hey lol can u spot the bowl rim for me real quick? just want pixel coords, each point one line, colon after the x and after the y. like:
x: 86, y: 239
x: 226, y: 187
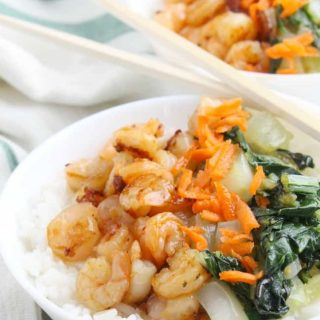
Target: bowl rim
x: 265, y: 75
x: 22, y: 278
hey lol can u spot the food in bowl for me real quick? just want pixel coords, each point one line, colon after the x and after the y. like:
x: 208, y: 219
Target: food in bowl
x: 187, y: 227
x: 274, y: 36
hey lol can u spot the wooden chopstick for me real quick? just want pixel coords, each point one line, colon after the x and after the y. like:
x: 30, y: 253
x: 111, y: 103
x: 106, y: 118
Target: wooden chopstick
x: 248, y: 88
x: 141, y: 64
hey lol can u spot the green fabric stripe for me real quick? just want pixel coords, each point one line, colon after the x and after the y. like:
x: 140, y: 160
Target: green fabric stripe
x: 11, y: 157
x: 101, y: 29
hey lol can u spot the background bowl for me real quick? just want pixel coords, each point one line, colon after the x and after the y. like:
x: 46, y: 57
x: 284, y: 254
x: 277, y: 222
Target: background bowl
x: 301, y: 85
x: 85, y: 139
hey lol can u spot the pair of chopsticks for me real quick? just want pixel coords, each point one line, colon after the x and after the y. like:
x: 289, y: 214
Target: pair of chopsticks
x: 250, y: 89
x: 141, y: 64
x: 257, y: 94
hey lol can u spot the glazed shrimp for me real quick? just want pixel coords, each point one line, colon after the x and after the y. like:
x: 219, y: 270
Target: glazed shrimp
x: 73, y: 234
x: 184, y: 276
x: 142, y: 272
x: 139, y: 140
x: 180, y: 143
x: 163, y: 236
x: 246, y: 54
x: 91, y: 173
x: 141, y: 167
x: 165, y: 158
x: 229, y: 28
x: 102, y: 284
x: 144, y: 193
x: 119, y: 239
x: 114, y: 184
x: 182, y: 308
x: 111, y: 215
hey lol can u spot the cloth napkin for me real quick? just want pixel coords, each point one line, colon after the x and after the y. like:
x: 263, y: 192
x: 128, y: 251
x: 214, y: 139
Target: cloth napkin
x: 45, y: 87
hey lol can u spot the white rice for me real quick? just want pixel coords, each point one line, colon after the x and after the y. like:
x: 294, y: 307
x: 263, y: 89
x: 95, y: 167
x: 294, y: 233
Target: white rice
x: 54, y: 279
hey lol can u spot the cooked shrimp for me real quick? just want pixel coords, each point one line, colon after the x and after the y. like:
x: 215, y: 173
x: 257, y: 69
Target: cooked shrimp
x: 173, y: 17
x: 120, y: 160
x: 163, y: 236
x: 112, y: 215
x: 144, y: 193
x: 246, y: 54
x: 101, y: 284
x: 182, y: 308
x: 180, y: 143
x: 92, y: 173
x: 119, y: 239
x: 185, y: 275
x: 139, y: 140
x: 73, y: 233
x: 142, y: 272
x: 229, y: 28
x: 216, y: 48
x: 142, y: 167
x: 139, y: 232
x: 201, y: 11
x: 165, y: 158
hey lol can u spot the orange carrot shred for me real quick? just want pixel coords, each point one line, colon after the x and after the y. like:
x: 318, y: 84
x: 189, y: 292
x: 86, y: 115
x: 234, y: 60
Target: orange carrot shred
x: 257, y: 180
x: 226, y: 202
x: 262, y: 202
x: 210, y: 216
x: 290, y: 6
x: 249, y: 263
x: 210, y: 204
x: 245, y: 216
x: 200, y: 241
x: 227, y: 108
x: 238, y: 276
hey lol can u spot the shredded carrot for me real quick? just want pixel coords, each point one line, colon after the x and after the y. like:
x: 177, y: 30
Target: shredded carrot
x: 183, y: 161
x: 226, y: 202
x: 242, y: 249
x: 202, y: 179
x: 257, y: 180
x: 249, y: 263
x: 238, y: 276
x: 210, y: 216
x: 262, y: 202
x: 227, y: 108
x: 210, y: 204
x: 224, y: 164
x: 200, y: 241
x: 245, y: 216
x: 259, y: 275
x: 185, y: 180
x: 290, y: 6
x: 202, y: 154
x: 228, y: 233
x: 240, y: 238
x: 291, y: 48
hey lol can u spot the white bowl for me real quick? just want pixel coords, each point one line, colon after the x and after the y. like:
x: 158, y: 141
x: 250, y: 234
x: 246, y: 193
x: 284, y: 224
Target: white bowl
x: 85, y: 139
x: 301, y: 85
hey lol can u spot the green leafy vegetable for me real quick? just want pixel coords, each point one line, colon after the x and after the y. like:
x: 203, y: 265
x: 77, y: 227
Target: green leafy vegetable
x: 216, y: 262
x: 300, y: 160
x: 270, y: 164
x: 271, y: 296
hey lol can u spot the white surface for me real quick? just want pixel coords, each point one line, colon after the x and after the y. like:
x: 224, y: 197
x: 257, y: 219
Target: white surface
x: 84, y: 139
x: 60, y: 11
x: 302, y: 86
